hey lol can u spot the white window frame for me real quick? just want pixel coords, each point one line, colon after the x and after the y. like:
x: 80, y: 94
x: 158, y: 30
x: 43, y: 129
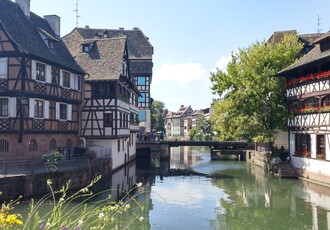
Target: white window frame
x: 4, y: 116
x: 3, y: 68
x: 45, y: 111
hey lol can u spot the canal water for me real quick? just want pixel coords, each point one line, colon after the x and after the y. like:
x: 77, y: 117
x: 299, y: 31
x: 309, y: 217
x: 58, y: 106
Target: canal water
x: 192, y: 192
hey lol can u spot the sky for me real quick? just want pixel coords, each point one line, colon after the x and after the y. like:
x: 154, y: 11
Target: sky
x: 191, y: 38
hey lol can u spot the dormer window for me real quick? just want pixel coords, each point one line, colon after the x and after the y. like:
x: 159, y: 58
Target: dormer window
x: 85, y: 48
x: 325, y: 46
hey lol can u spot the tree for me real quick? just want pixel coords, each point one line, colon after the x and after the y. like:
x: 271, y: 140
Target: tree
x: 202, y: 131
x: 157, y: 118
x: 253, y: 98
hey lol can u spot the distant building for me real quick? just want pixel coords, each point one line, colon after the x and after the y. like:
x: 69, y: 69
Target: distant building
x: 110, y: 108
x: 140, y: 53
x: 187, y: 123
x: 40, y: 84
x: 175, y: 121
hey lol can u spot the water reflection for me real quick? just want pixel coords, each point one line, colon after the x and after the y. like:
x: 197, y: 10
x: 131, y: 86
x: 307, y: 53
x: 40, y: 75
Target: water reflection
x: 192, y: 192
x: 233, y: 195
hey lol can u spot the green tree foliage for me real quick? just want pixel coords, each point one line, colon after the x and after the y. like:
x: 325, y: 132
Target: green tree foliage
x: 157, y: 116
x: 202, y: 131
x: 253, y: 99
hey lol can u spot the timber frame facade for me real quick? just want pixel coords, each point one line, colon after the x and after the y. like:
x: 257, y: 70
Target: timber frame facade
x: 40, y: 84
x: 308, y: 97
x: 110, y: 108
x: 139, y: 51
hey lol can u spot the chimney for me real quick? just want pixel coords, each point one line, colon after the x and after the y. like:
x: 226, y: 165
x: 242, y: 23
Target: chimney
x: 55, y: 23
x: 25, y: 6
x: 105, y: 33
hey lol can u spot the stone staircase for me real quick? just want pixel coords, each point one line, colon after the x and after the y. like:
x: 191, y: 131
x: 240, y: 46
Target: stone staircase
x: 285, y: 170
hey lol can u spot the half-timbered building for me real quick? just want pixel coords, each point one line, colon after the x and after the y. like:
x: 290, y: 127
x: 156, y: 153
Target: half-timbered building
x: 40, y: 84
x: 140, y: 53
x: 110, y: 108
x: 308, y: 96
x: 175, y: 122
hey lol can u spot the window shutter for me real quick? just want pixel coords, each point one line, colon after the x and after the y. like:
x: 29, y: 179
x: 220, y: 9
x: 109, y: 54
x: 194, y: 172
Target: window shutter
x: 57, y: 111
x: 46, y: 109
x: 33, y: 70
x: 72, y: 76
x: 12, y: 107
x: 69, y: 118
x: 61, y: 77
x: 48, y: 74
x: 31, y: 107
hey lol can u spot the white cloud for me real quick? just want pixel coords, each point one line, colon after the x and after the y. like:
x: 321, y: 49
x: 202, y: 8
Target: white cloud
x: 181, y: 73
x: 223, y: 62
x: 182, y: 84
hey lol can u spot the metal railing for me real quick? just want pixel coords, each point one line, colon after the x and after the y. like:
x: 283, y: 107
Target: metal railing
x: 31, y: 166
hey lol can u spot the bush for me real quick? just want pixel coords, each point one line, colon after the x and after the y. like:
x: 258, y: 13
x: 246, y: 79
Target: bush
x: 52, y: 160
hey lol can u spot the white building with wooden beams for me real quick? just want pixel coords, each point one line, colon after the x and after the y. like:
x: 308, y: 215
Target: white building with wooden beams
x: 40, y: 84
x: 308, y: 96
x: 110, y: 110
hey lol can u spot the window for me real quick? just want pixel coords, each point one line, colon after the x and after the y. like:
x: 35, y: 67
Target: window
x: 3, y: 68
x: 4, y: 146
x: 63, y: 111
x: 85, y: 48
x: 118, y: 143
x: 294, y: 106
x: 311, y: 102
x: 320, y: 143
x: 303, y: 145
x: 40, y: 72
x: 124, y: 69
x: 52, y: 144
x: 142, y: 98
x: 141, y: 80
x: 326, y: 101
x: 143, y: 115
x: 3, y: 107
x: 38, y: 108
x: 77, y: 82
x: 33, y: 145
x: 66, y: 79
x: 108, y: 119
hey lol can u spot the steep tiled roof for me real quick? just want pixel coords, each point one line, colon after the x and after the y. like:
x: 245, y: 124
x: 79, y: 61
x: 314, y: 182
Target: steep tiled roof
x: 312, y: 56
x: 277, y: 36
x: 104, y: 60
x: 24, y: 32
x: 181, y: 111
x: 140, y: 67
x: 138, y: 44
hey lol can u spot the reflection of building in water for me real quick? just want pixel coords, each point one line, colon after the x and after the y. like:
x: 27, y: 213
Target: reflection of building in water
x: 117, y: 183
x: 307, y: 205
x: 181, y: 157
x: 319, y: 198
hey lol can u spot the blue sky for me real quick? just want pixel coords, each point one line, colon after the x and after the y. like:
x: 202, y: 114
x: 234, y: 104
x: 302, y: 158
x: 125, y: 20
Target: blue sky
x: 191, y: 37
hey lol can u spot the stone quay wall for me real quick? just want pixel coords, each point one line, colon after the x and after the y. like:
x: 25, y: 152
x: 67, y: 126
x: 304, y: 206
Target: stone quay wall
x: 261, y: 159
x: 36, y: 185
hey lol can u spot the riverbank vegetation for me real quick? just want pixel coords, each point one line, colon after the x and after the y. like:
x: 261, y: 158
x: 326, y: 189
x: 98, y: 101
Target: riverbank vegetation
x: 252, y: 104
x: 80, y: 210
